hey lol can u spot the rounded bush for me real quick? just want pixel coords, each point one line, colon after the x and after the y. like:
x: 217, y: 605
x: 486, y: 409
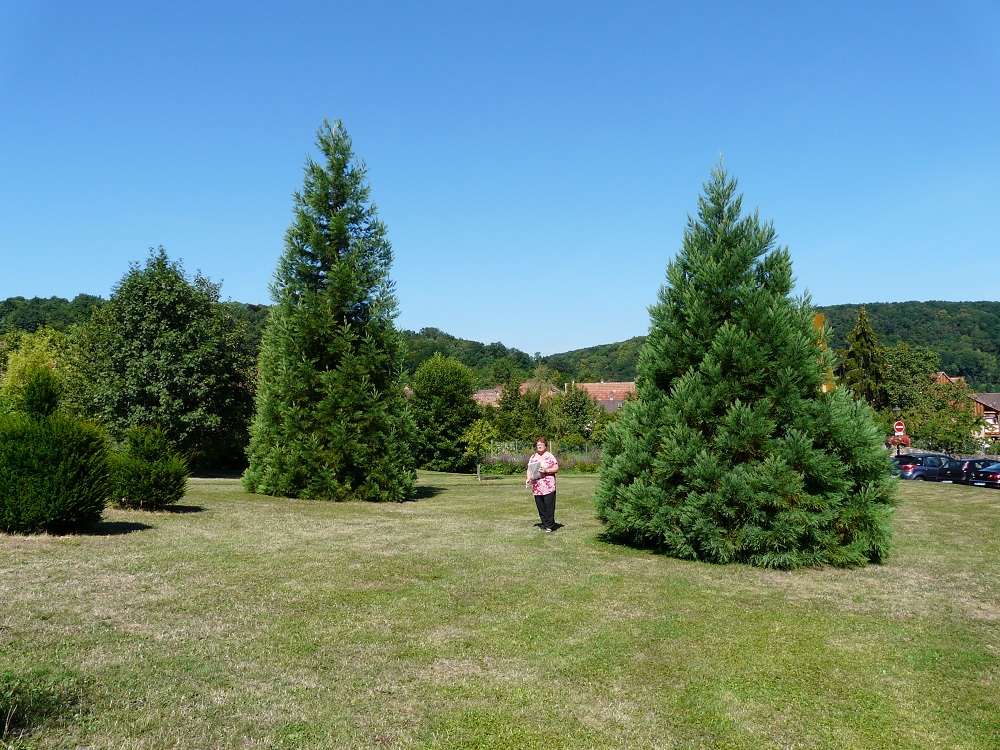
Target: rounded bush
x: 53, y: 474
x: 146, y: 472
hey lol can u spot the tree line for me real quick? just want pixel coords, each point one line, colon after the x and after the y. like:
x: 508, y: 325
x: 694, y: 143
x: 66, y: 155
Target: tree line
x: 964, y: 336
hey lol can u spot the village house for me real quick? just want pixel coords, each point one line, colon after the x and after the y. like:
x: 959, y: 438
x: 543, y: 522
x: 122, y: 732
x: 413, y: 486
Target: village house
x: 610, y: 396
x: 987, y: 406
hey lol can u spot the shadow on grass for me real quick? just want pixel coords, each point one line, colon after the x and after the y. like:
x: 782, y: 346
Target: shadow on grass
x: 179, y: 509
x: 37, y: 700
x: 227, y: 474
x: 114, y: 528
x: 425, y: 492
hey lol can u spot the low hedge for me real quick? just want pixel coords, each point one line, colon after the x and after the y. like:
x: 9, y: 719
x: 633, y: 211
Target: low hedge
x: 53, y: 474
x: 146, y: 472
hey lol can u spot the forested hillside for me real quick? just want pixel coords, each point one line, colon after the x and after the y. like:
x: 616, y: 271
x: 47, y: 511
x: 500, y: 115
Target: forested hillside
x: 491, y: 364
x: 966, y: 335
x: 18, y: 313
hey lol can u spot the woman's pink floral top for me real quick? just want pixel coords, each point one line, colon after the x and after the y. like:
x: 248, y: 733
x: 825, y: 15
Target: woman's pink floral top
x: 546, y: 484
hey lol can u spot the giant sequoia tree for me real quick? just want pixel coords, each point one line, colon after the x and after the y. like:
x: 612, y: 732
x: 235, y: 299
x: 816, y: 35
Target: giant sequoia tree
x: 331, y: 421
x: 732, y: 451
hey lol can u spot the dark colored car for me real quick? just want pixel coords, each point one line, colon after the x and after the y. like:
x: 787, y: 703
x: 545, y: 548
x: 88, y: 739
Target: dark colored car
x: 959, y: 470
x: 988, y: 476
x: 920, y: 466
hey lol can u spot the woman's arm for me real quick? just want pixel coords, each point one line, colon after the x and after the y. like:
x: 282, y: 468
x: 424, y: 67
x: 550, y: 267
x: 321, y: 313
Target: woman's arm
x: 550, y: 468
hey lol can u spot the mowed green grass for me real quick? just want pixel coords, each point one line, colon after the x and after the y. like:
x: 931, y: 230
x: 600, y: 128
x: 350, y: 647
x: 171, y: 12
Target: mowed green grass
x: 242, y: 621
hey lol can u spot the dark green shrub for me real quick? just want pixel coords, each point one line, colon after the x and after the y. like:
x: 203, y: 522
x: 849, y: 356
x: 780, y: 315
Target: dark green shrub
x: 41, y: 393
x: 53, y: 474
x: 146, y: 472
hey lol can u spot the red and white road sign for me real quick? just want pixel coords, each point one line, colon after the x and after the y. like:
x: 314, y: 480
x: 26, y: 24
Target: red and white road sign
x: 899, y: 427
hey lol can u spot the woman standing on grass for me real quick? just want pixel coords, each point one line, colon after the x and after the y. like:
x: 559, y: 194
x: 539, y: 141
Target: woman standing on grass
x: 541, y: 477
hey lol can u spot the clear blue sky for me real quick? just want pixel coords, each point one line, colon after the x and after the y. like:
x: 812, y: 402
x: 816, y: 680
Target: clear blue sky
x: 535, y: 162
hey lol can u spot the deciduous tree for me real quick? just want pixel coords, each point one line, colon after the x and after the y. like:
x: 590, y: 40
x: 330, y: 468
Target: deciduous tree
x: 443, y: 410
x: 163, y: 353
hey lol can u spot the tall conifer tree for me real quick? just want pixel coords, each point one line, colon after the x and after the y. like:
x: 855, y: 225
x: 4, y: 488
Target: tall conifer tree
x: 732, y: 452
x: 864, y: 365
x: 331, y: 419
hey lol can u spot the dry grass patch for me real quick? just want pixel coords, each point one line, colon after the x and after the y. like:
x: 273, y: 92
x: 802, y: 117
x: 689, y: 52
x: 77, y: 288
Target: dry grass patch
x: 450, y: 622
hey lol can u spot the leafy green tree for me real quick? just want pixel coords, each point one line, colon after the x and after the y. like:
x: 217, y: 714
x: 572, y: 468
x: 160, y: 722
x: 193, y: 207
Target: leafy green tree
x: 943, y: 419
x: 38, y: 358
x: 478, y: 440
x: 573, y: 412
x: 162, y: 352
x: 732, y: 452
x: 908, y: 373
x: 331, y: 421
x: 864, y: 365
x: 443, y: 410
x: 519, y: 415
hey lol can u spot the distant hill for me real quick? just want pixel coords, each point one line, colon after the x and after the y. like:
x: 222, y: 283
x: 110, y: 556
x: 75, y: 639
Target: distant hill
x: 56, y: 312
x: 966, y: 335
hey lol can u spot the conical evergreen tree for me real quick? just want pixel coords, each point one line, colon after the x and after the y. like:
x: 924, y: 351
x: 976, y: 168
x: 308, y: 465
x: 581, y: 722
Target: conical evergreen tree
x: 732, y: 452
x: 864, y: 365
x: 331, y: 419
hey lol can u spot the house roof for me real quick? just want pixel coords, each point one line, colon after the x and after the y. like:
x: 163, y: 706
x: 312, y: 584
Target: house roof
x: 609, y: 395
x: 608, y: 391
x: 942, y: 377
x: 487, y: 396
x: 989, y: 400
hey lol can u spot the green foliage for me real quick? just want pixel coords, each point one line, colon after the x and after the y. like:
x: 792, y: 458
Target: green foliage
x: 25, y: 354
x: 503, y: 466
x: 478, y: 438
x: 732, y: 453
x: 609, y: 362
x: 163, y: 352
x: 519, y: 416
x: 942, y: 419
x: 863, y: 367
x: 443, y: 411
x: 909, y: 371
x: 572, y: 412
x: 964, y: 335
x: 938, y: 416
x: 250, y: 322
x: 53, y: 474
x: 490, y: 364
x: 331, y: 419
x: 41, y: 394
x: 18, y: 313
x: 145, y: 471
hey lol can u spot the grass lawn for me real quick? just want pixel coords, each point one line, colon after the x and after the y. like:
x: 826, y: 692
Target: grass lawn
x: 240, y: 621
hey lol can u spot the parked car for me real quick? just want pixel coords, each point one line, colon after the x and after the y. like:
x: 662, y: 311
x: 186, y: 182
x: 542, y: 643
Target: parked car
x: 920, y: 466
x: 988, y: 476
x: 959, y: 470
